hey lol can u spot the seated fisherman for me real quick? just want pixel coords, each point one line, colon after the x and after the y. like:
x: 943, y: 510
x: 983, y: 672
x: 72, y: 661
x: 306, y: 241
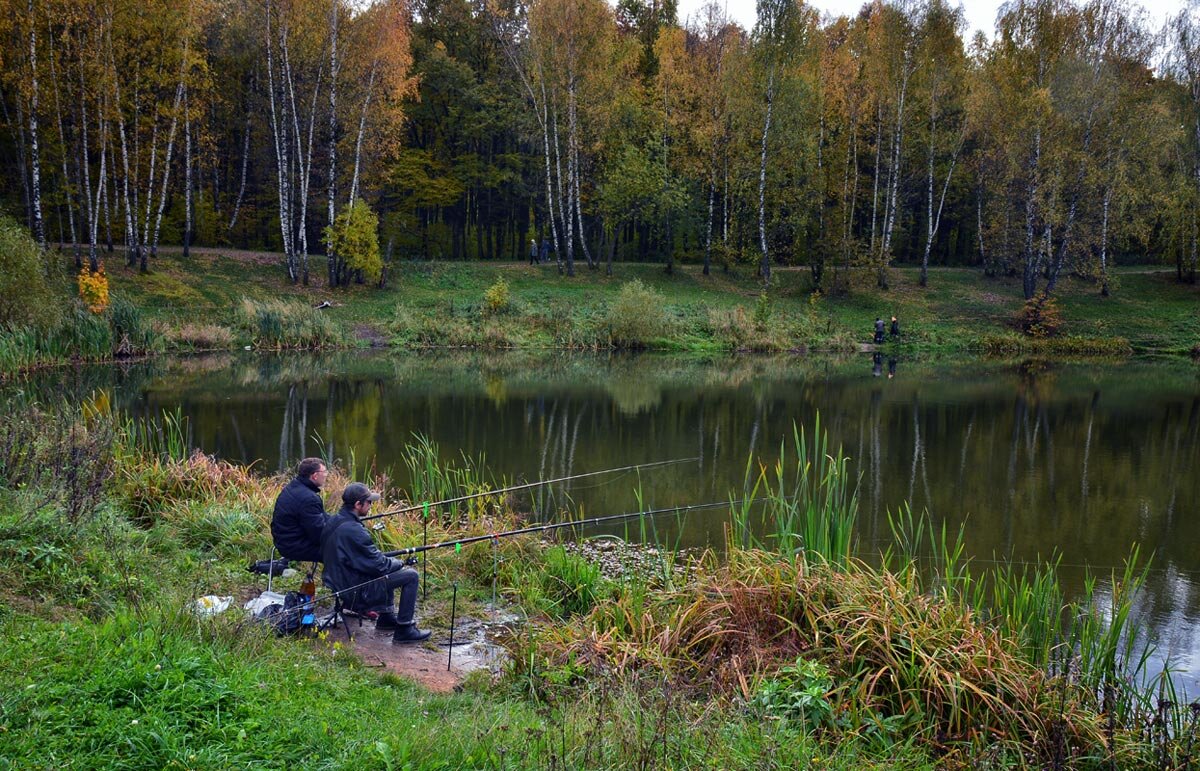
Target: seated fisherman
x: 300, y: 513
x: 364, y: 577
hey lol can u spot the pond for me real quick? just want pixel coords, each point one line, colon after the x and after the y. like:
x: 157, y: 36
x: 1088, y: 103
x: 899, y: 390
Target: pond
x: 1033, y: 460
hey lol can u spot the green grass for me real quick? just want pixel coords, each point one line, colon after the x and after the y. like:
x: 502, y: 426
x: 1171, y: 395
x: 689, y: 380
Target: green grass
x: 199, y: 303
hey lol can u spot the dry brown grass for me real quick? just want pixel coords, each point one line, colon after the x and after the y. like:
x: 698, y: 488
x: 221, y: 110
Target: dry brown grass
x: 892, y: 649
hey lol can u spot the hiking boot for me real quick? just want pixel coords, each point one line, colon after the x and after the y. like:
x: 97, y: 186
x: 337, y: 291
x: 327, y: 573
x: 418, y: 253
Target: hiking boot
x: 408, y: 633
x: 386, y: 622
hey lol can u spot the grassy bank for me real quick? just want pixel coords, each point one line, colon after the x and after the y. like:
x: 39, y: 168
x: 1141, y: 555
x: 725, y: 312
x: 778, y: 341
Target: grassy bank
x: 429, y: 304
x: 782, y: 652
x: 217, y: 300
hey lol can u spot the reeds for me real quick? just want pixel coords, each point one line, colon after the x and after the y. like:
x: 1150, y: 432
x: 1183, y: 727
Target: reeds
x: 80, y: 336
x: 809, y: 505
x: 432, y: 479
x: 280, y: 324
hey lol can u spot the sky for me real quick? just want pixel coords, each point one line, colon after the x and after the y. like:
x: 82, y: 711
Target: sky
x: 981, y: 14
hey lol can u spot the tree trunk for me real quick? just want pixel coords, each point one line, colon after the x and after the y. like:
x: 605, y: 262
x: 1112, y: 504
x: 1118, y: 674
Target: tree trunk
x: 237, y: 204
x: 1032, y: 261
x: 563, y: 207
x: 708, y: 226
x: 892, y: 203
x: 187, y: 177
x: 331, y: 192
x: 875, y: 175
x: 166, y: 177
x: 764, y: 267
x: 578, y: 198
x: 1104, y: 243
x: 282, y: 164
x: 68, y: 193
x: 35, y: 157
x: 85, y: 165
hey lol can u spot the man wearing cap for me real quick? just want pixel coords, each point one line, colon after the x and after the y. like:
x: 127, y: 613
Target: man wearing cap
x: 364, y: 577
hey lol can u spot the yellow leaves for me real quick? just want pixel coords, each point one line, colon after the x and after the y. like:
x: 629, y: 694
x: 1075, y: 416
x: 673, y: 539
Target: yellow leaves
x: 93, y: 288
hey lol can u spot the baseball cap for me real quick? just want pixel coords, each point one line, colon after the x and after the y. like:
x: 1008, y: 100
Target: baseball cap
x: 357, y: 491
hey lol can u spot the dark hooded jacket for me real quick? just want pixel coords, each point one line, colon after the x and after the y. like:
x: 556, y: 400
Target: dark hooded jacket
x: 298, y: 520
x: 352, y: 560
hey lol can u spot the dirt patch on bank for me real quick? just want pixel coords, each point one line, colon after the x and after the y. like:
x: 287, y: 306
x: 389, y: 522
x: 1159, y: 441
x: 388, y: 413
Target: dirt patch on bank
x: 371, y: 335
x: 434, y: 663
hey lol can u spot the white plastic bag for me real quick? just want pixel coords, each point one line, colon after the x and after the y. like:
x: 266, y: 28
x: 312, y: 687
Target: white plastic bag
x: 211, y: 605
x: 263, y: 600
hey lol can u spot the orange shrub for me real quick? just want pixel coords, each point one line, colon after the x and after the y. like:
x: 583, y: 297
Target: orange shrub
x: 93, y: 288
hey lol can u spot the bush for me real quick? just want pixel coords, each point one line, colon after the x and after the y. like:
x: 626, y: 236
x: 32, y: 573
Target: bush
x: 637, y: 316
x: 798, y: 692
x: 354, y: 236
x: 68, y: 459
x: 1040, y: 317
x: 762, y: 311
x: 497, y: 298
x: 93, y: 288
x: 25, y: 281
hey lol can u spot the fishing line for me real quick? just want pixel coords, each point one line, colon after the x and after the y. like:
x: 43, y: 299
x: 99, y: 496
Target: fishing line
x: 458, y: 543
x: 524, y: 486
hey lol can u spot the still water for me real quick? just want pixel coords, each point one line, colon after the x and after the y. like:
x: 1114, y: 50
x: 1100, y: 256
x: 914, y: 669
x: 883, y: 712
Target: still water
x: 1080, y: 461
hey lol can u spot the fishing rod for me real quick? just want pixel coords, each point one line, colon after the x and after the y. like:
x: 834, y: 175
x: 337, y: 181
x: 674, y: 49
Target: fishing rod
x: 514, y: 488
x: 460, y: 542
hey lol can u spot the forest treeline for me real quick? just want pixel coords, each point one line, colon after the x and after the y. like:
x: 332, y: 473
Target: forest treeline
x: 471, y: 127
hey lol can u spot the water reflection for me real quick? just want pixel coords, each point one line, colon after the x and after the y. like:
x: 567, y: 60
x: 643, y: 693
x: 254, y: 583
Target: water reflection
x: 1075, y: 460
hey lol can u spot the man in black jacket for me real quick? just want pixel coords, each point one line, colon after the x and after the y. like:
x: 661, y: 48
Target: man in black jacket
x: 300, y: 513
x: 364, y: 577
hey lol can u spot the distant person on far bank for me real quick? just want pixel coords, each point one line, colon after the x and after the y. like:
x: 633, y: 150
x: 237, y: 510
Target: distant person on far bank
x: 544, y: 254
x: 533, y: 251
x: 895, y: 328
x: 878, y: 330
x: 299, y: 515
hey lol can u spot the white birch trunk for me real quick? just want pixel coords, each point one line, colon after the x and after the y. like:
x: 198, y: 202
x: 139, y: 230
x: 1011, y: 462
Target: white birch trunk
x: 281, y: 158
x: 563, y: 211
x: 362, y: 129
x: 1104, y: 242
x: 875, y: 174
x: 237, y: 204
x: 166, y: 177
x: 331, y: 193
x: 35, y: 158
x: 765, y: 265
x: 577, y: 197
x: 66, y: 176
x: 85, y: 165
x: 187, y: 184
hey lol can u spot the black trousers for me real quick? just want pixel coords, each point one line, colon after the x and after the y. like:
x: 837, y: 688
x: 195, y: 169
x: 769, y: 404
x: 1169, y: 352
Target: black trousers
x: 406, y: 580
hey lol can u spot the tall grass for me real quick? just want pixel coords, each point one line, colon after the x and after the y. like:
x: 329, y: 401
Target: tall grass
x: 431, y: 479
x: 282, y: 324
x: 808, y: 505
x: 79, y: 335
x: 1090, y: 644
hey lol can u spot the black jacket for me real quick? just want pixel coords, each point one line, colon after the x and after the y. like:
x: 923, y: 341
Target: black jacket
x: 298, y: 520
x: 352, y: 560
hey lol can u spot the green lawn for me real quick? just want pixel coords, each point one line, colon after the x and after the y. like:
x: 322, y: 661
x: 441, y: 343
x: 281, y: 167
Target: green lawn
x: 443, y: 303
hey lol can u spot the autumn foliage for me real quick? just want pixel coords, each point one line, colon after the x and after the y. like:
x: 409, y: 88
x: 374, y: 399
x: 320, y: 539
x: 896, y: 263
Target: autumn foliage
x: 93, y: 288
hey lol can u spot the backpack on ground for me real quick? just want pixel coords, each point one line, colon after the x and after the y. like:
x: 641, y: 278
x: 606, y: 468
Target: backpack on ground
x: 294, y: 616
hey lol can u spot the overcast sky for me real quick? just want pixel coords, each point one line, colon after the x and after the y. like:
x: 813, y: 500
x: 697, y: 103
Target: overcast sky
x: 981, y: 14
